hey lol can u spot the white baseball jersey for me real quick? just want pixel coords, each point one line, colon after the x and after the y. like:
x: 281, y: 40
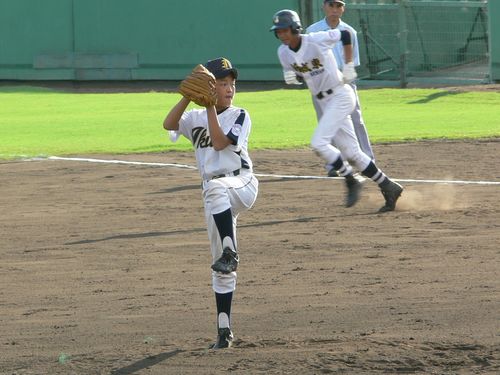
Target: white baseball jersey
x: 235, y: 123
x: 314, y: 61
x: 237, y: 193
x: 338, y: 48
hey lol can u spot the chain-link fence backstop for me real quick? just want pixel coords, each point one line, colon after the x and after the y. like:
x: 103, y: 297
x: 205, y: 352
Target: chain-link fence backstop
x: 420, y: 41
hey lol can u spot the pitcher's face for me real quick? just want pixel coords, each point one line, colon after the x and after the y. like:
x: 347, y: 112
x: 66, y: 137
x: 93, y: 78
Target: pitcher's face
x: 226, y: 88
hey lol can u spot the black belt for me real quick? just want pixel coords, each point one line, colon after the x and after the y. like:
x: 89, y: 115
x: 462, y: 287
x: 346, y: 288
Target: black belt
x: 230, y: 174
x: 321, y: 95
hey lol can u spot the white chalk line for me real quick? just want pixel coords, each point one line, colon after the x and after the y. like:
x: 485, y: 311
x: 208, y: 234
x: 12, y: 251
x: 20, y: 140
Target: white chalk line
x: 185, y: 166
x: 121, y: 162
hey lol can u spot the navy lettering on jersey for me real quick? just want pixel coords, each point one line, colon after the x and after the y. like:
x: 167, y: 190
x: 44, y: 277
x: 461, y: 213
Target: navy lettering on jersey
x: 200, y: 138
x: 317, y: 72
x: 235, y: 131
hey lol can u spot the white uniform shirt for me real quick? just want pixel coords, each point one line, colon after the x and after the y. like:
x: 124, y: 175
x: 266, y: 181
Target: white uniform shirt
x: 338, y: 48
x: 235, y: 123
x: 314, y: 61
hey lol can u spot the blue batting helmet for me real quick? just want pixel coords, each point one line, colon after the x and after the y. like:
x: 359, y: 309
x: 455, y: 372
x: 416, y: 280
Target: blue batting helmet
x: 286, y: 18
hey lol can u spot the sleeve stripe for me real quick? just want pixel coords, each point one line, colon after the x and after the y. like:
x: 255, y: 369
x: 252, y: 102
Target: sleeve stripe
x: 241, y: 117
x: 239, y: 121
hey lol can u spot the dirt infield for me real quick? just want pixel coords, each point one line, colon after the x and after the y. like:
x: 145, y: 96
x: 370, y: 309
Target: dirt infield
x: 105, y: 268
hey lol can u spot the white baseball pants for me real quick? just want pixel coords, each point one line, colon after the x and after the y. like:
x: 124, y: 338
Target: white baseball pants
x: 335, y: 126
x: 357, y: 121
x: 237, y: 193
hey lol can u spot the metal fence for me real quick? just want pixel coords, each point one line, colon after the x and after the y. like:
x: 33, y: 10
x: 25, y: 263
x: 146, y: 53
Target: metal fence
x: 422, y: 41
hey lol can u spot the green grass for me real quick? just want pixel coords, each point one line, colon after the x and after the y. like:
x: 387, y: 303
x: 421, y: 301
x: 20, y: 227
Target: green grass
x: 401, y: 115
x: 39, y: 122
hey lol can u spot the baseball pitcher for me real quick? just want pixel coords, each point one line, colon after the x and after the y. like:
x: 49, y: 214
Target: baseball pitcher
x: 219, y: 134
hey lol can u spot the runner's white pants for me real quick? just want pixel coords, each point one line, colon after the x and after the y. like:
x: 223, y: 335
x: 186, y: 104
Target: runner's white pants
x: 335, y: 126
x: 357, y: 121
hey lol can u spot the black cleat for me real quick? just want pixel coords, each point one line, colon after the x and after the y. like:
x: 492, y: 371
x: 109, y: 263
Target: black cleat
x: 228, y: 262
x: 391, y: 191
x: 333, y: 173
x: 224, y: 339
x: 353, y: 190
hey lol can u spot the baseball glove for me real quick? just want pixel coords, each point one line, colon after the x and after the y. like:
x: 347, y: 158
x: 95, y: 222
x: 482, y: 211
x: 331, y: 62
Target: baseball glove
x: 199, y: 87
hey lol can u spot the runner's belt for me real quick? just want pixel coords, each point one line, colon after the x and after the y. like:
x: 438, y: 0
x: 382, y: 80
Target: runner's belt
x: 322, y: 94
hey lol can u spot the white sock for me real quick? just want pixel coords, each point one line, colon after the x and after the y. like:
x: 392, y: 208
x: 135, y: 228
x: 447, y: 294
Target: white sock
x: 228, y: 242
x: 223, y: 320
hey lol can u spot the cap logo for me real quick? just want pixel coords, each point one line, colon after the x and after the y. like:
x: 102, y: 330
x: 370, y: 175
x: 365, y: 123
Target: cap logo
x: 276, y: 19
x: 226, y: 64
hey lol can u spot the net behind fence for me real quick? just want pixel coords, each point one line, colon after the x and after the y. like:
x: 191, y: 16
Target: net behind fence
x: 435, y: 41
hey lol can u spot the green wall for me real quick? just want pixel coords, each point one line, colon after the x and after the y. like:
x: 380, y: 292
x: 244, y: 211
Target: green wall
x: 30, y: 27
x: 494, y: 12
x: 164, y: 39
x: 135, y: 39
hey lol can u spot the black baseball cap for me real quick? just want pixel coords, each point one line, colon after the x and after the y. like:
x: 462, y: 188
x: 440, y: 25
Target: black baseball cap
x: 335, y: 1
x: 221, y: 68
